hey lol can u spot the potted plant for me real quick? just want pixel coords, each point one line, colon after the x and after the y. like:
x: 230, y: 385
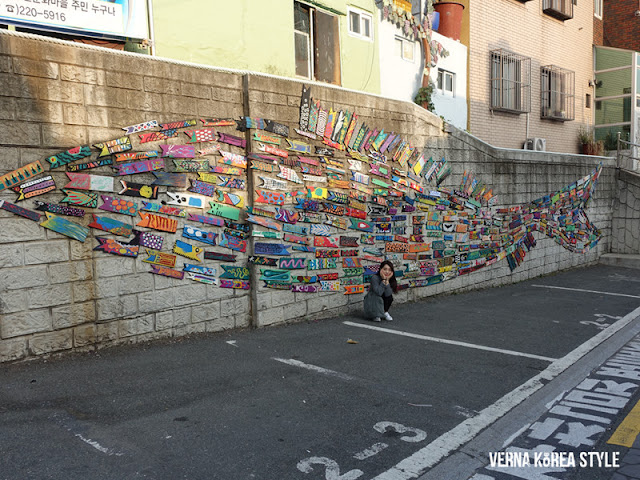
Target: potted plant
x: 424, y: 96
x: 588, y: 143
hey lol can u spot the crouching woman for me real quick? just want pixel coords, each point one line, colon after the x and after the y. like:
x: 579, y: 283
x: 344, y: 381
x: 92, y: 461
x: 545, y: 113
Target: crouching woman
x: 380, y: 295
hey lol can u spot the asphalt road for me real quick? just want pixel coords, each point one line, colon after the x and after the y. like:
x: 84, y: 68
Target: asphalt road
x: 299, y: 401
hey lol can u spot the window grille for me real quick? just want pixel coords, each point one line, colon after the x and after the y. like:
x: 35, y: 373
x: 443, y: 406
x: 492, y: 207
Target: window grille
x: 557, y: 93
x: 510, y: 82
x: 560, y: 9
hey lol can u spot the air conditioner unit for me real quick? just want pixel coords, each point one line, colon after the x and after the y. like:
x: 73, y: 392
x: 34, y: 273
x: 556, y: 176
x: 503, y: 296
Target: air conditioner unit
x: 537, y: 144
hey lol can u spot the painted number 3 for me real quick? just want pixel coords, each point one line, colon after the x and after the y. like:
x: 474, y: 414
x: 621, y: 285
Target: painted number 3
x: 332, y: 469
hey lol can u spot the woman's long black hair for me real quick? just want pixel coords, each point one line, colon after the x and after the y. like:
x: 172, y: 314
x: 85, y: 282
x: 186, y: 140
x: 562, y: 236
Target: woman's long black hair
x: 392, y: 281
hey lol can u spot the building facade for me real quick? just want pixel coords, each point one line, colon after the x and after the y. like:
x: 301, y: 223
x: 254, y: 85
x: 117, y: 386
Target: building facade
x: 531, y: 72
x: 331, y: 41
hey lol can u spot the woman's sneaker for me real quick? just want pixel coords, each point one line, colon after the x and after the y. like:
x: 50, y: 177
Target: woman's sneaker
x: 387, y: 317
x: 377, y: 319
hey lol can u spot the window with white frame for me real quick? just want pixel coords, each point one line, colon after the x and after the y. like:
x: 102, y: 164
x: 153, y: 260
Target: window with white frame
x: 360, y: 24
x: 446, y: 82
x: 317, y: 44
x: 597, y: 8
x: 404, y: 48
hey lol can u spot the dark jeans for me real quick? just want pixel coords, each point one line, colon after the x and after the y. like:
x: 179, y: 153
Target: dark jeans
x: 388, y: 300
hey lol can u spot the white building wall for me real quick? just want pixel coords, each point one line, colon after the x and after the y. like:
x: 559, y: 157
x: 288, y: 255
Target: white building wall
x: 453, y: 107
x: 400, y: 79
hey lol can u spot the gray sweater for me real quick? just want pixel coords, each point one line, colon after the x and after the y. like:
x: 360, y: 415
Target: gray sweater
x: 380, y: 288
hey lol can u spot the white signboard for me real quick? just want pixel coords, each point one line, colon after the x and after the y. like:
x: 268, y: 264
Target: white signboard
x: 103, y: 18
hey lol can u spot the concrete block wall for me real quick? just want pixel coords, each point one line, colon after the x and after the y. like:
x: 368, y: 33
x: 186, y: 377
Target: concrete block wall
x: 625, y: 235
x: 58, y: 295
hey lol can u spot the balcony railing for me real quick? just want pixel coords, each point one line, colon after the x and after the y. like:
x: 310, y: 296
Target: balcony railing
x: 560, y: 9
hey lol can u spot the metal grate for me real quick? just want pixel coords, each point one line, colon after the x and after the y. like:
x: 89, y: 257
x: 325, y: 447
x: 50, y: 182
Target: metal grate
x: 557, y: 93
x: 510, y: 82
x: 560, y: 9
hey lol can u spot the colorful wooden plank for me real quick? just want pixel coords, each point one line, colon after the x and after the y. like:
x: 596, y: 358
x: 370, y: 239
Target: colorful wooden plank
x: 226, y: 170
x: 191, y: 165
x: 321, y: 264
x: 84, y: 199
x: 263, y: 234
x: 277, y: 128
x: 63, y: 158
x: 65, y: 227
x: 264, y: 222
x: 238, y: 273
x: 330, y: 286
x: 297, y: 146
x: 203, y: 236
x: 259, y: 260
x: 158, y: 136
x: 159, y: 258
x: 140, y: 167
x: 157, y: 222
x: 179, y: 124
x: 112, y: 226
x: 138, y: 190
x: 186, y: 200
x: 114, y: 247
x: 217, y: 122
x: 273, y: 184
x: 21, y: 174
x: 269, y: 197
x: 232, y: 140
x: 229, y: 198
x: 288, y: 237
x: 121, y: 144
x: 261, y: 248
x: 202, y: 188
x: 262, y: 137
x: 304, y: 288
x: 23, y: 212
x: 325, y: 242
x: 289, y: 174
x: 201, y: 269
x: 291, y: 263
x: 85, y: 181
x: 34, y: 188
x: 233, y: 243
x: 275, y: 275
x: 100, y: 162
x: 225, y: 211
x: 228, y: 182
x: 167, y: 272
x: 218, y: 222
x: 178, y: 151
x: 118, y: 205
x: 187, y: 250
x: 147, y: 239
x: 132, y: 156
x: 164, y: 209
x: 201, y: 135
x: 238, y: 284
x: 140, y: 127
x: 58, y: 209
x: 233, y: 159
x: 223, y: 257
x: 209, y: 149
x: 353, y: 289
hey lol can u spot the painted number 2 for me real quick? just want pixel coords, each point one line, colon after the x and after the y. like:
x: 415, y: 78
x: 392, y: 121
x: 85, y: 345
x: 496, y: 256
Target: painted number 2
x: 332, y: 470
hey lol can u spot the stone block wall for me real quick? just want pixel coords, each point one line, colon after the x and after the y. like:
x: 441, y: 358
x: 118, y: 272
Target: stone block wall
x: 625, y: 238
x: 58, y: 294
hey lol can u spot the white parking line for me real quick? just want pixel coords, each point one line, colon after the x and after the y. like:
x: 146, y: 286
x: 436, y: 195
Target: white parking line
x: 587, y: 291
x: 428, y: 456
x: 314, y: 368
x: 450, y: 342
